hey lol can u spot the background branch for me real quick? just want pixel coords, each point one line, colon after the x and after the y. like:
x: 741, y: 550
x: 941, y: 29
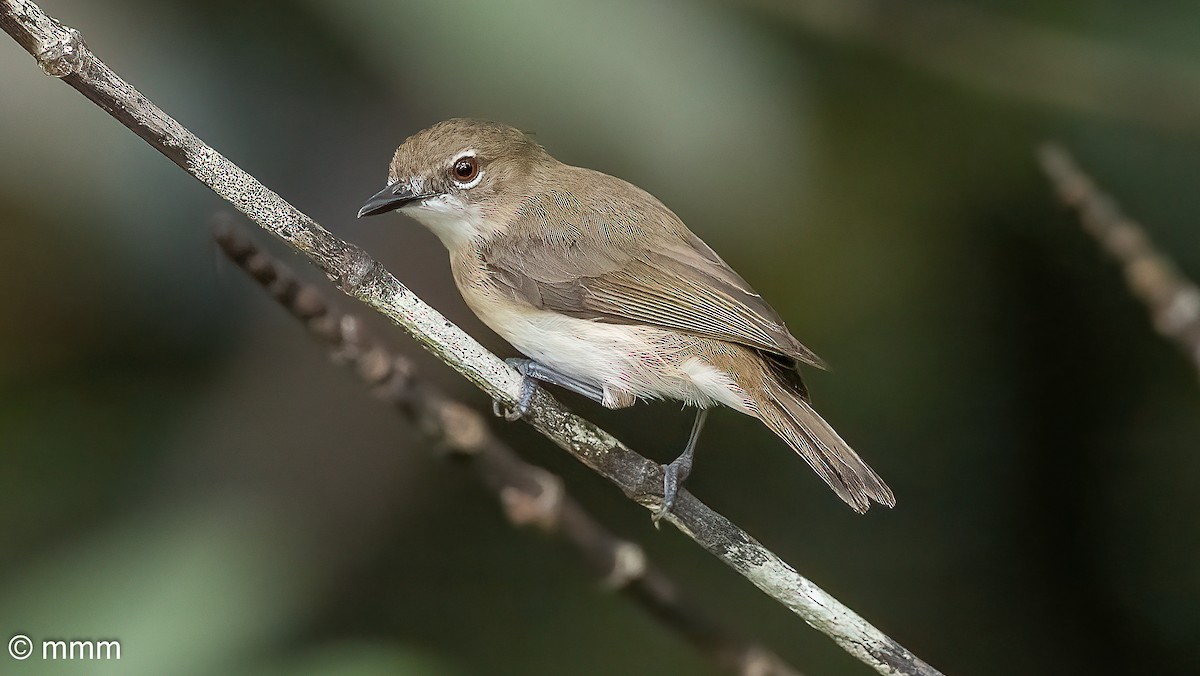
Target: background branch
x: 1172, y: 299
x: 531, y: 496
x: 985, y: 49
x: 61, y: 52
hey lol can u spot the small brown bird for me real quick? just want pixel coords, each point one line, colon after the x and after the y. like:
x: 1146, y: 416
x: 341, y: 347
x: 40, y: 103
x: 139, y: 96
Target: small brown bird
x: 608, y: 293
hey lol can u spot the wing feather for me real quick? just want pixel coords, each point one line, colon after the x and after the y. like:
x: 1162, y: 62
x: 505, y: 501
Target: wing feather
x: 598, y: 266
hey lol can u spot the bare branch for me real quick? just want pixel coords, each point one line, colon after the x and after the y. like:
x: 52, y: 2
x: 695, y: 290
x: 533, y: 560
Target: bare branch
x: 968, y: 44
x: 530, y: 495
x: 62, y: 53
x: 1172, y: 299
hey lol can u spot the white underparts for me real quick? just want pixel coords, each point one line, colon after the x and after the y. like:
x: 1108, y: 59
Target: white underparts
x: 641, y: 361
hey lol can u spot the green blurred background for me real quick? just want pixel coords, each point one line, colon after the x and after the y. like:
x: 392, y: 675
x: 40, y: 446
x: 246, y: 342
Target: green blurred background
x: 182, y: 468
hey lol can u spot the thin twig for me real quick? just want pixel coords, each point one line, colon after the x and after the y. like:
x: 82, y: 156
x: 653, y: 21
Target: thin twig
x: 986, y: 49
x: 1172, y: 299
x: 531, y: 496
x: 62, y: 53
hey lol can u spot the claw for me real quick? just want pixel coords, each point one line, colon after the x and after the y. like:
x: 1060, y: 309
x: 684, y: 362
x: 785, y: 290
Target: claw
x: 528, y: 387
x: 673, y: 474
x: 516, y: 413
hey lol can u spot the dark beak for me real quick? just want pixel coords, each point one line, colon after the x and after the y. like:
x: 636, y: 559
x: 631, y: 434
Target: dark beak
x: 391, y: 198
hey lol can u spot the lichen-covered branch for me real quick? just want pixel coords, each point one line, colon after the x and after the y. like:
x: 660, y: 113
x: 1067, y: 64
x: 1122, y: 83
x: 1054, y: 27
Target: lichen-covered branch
x: 61, y: 52
x: 530, y: 495
x: 1172, y: 299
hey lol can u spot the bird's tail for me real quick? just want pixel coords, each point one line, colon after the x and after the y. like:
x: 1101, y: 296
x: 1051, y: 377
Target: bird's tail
x: 785, y: 411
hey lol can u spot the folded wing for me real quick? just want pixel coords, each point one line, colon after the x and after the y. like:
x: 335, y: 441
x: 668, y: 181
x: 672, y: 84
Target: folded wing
x: 601, y: 266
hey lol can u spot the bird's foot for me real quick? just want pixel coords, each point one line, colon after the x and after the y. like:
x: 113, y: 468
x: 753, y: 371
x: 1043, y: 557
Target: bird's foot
x: 532, y: 372
x: 677, y: 471
x: 674, y: 474
x: 528, y: 387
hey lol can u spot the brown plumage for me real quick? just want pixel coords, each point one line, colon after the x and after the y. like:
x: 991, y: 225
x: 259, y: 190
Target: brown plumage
x: 598, y: 281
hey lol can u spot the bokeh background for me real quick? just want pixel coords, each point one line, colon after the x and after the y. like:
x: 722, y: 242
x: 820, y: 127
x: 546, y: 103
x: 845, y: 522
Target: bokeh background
x: 182, y: 468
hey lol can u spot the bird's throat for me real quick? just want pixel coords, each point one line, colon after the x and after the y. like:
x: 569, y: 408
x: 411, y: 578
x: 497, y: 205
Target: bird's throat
x: 455, y: 222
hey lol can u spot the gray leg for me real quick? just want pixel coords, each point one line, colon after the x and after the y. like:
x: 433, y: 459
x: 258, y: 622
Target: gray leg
x: 533, y: 372
x: 677, y: 472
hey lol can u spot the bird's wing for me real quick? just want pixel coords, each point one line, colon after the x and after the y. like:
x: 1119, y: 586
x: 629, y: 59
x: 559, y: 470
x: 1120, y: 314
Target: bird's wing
x: 595, y: 263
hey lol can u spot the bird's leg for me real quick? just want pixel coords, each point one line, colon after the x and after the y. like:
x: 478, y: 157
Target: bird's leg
x: 677, y: 472
x: 531, y: 372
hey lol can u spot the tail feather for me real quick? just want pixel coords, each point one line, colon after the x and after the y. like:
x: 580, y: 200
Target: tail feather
x: 789, y: 415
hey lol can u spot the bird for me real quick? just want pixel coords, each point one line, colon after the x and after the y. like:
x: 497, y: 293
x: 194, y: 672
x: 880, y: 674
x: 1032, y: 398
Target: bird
x: 607, y: 293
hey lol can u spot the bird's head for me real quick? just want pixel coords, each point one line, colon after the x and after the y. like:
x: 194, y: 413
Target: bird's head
x: 459, y: 178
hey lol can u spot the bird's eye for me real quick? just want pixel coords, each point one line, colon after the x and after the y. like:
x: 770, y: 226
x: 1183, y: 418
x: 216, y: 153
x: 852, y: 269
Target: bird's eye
x: 466, y: 169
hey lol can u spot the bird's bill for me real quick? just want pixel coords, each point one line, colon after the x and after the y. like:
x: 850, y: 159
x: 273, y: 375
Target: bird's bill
x: 391, y: 198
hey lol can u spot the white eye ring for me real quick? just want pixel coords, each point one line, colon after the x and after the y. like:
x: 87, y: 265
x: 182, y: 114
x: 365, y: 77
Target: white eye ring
x: 474, y: 174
